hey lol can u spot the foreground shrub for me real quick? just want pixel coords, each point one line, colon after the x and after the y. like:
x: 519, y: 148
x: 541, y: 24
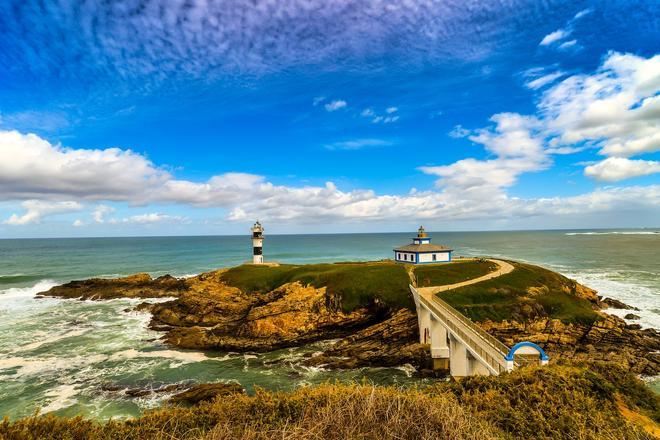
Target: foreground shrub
x: 560, y: 401
x: 325, y: 412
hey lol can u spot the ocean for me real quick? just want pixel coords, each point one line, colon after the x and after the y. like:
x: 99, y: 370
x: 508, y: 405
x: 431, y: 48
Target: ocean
x: 75, y: 357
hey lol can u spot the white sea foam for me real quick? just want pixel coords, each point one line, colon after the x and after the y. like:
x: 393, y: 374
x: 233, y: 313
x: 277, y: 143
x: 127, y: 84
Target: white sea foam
x: 408, y: 369
x: 62, y: 397
x: 27, y: 366
x: 616, y: 233
x: 633, y: 294
x: 53, y: 338
x: 22, y: 298
x: 181, y: 356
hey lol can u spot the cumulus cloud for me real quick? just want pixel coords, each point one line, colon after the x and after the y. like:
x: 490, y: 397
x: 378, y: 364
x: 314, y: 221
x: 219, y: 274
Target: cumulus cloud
x: 518, y: 148
x: 335, y: 105
x: 33, y: 168
x: 100, y: 212
x: 614, y: 169
x: 35, y: 210
x: 616, y: 109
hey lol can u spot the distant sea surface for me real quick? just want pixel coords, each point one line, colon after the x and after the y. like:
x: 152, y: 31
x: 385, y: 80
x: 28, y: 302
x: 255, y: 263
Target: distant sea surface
x: 78, y: 357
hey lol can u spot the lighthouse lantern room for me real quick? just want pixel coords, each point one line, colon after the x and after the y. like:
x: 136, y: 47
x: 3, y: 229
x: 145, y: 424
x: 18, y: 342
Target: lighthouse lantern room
x: 257, y: 243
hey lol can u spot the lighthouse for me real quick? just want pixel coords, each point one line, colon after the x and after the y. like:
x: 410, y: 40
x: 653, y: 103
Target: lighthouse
x: 257, y: 243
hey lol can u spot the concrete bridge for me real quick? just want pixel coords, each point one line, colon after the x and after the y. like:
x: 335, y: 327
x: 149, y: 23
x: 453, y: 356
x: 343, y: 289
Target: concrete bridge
x: 460, y: 345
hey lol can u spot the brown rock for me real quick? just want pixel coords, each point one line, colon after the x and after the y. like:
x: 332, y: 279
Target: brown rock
x: 135, y: 286
x: 205, y: 393
x: 392, y: 342
x: 616, y: 304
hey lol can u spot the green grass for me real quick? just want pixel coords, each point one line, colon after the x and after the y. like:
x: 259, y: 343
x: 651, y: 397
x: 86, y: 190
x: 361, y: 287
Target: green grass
x: 358, y: 284
x: 450, y: 273
x: 524, y: 294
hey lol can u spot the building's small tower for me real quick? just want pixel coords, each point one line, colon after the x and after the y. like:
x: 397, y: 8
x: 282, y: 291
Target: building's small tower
x: 257, y: 243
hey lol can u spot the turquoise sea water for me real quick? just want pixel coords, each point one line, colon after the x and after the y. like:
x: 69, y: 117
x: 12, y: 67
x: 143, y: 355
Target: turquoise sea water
x: 80, y: 357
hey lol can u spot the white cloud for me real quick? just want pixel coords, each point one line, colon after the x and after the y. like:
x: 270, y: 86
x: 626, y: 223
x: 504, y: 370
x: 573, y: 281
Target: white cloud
x: 100, y: 212
x: 613, y: 169
x: 387, y: 117
x: 335, y: 105
x: 318, y: 100
x: 571, y: 44
x: 78, y: 223
x: 616, y: 108
x: 35, y: 210
x: 555, y: 36
x: 358, y: 144
x: 31, y: 167
x: 153, y: 217
x: 459, y: 132
x: 543, y: 80
x: 582, y: 13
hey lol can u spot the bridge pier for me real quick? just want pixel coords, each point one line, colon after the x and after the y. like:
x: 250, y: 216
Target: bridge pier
x: 458, y: 358
x: 476, y: 368
x: 439, y: 345
x: 424, y: 317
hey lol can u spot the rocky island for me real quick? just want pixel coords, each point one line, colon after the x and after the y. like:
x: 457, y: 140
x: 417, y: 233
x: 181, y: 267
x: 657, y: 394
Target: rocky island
x: 590, y: 390
x: 369, y: 309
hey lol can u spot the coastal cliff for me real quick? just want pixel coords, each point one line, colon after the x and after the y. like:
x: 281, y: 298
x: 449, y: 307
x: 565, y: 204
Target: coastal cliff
x: 367, y: 307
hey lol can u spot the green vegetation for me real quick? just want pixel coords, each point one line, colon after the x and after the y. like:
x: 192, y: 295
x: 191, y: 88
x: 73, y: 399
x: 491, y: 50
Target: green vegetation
x: 450, y: 273
x: 526, y: 293
x: 357, y: 284
x: 554, y: 402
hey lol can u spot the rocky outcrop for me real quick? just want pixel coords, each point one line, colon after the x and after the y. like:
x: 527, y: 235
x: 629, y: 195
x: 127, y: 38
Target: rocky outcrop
x: 616, y: 304
x: 207, y: 392
x: 607, y: 339
x: 392, y: 342
x: 135, y: 286
x: 228, y: 319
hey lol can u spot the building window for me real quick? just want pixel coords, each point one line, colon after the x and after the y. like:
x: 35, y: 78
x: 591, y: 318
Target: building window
x: 435, y: 257
x: 405, y: 257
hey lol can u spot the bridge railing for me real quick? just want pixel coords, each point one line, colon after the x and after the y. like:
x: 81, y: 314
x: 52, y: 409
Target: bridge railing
x: 486, y: 346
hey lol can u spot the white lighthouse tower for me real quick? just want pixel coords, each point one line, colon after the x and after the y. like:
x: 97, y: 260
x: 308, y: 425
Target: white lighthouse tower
x: 257, y: 243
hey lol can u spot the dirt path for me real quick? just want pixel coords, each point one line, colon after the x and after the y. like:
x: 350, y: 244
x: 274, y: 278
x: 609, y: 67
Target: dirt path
x: 504, y: 268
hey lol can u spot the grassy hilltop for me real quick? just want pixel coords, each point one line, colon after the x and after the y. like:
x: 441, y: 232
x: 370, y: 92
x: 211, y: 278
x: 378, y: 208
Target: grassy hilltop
x: 360, y: 284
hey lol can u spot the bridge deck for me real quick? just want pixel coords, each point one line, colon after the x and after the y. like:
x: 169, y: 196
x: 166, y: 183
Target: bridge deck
x: 479, y: 342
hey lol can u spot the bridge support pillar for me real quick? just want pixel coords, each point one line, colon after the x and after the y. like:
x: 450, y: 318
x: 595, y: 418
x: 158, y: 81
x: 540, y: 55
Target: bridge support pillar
x: 476, y: 368
x: 458, y: 358
x: 424, y: 316
x: 439, y: 345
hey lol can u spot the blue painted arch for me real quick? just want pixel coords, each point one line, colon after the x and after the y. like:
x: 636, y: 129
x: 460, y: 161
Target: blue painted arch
x: 512, y: 352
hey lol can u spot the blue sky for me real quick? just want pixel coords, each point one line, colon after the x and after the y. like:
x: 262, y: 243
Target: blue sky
x: 198, y: 117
